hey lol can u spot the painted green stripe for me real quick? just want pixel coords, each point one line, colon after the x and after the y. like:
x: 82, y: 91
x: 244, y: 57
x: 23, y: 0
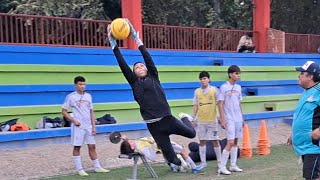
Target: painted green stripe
x: 131, y: 105
x: 58, y: 74
x: 281, y: 106
x: 128, y: 115
x: 129, y: 112
x: 287, y: 97
x: 30, y: 115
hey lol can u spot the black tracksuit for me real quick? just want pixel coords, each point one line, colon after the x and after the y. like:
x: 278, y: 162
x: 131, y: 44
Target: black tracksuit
x: 153, y: 104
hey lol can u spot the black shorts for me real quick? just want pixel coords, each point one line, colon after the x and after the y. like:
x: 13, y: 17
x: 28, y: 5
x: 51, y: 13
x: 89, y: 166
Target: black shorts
x: 311, y: 165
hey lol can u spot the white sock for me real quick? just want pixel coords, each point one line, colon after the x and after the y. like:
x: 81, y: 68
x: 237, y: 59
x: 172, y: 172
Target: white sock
x: 96, y: 164
x: 224, y: 158
x: 191, y: 162
x: 217, y: 150
x: 77, y: 162
x: 233, y: 155
x: 202, y: 153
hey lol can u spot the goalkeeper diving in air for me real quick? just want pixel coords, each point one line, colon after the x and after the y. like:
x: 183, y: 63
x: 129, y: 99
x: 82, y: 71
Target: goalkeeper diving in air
x: 149, y: 94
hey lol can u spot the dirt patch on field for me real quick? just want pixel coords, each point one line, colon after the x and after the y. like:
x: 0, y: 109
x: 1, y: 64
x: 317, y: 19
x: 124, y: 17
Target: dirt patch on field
x: 53, y: 160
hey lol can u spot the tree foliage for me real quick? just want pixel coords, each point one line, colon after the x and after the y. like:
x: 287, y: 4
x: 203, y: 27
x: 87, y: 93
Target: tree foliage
x: 237, y: 14
x: 294, y: 16
x: 84, y: 9
x: 181, y: 13
x: 7, y: 5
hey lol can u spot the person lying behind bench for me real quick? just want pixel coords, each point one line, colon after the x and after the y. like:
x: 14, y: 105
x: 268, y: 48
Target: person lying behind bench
x: 246, y: 44
x: 148, y: 147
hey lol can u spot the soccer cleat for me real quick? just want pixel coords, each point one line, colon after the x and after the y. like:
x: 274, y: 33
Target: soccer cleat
x: 224, y: 171
x: 219, y: 166
x: 178, y: 169
x: 183, y: 169
x: 101, y: 170
x: 183, y: 115
x: 173, y: 167
x: 184, y: 165
x: 197, y: 170
x: 82, y: 173
x: 203, y: 164
x: 235, y: 169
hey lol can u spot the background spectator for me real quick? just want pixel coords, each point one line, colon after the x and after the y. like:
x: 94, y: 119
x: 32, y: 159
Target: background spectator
x: 246, y: 44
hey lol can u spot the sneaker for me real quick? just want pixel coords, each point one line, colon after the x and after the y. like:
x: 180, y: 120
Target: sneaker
x: 224, y: 171
x: 178, y: 169
x: 204, y: 165
x: 183, y: 169
x: 218, y: 166
x: 184, y: 164
x: 83, y: 173
x: 197, y: 170
x: 183, y: 115
x: 173, y: 167
x: 101, y: 170
x: 235, y: 169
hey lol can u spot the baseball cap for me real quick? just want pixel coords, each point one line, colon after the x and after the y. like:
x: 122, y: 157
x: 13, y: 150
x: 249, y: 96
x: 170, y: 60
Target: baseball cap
x: 310, y: 67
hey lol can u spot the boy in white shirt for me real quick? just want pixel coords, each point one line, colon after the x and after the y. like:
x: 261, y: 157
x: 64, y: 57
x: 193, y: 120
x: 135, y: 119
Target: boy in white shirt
x: 83, y: 126
x: 231, y: 113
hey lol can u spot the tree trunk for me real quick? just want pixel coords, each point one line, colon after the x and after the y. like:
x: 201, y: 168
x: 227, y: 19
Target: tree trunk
x: 216, y: 7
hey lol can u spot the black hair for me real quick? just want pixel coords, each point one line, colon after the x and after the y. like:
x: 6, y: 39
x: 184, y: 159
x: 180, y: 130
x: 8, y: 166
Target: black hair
x: 125, y: 147
x: 79, y: 79
x: 232, y: 69
x: 249, y: 34
x: 314, y: 77
x: 204, y: 74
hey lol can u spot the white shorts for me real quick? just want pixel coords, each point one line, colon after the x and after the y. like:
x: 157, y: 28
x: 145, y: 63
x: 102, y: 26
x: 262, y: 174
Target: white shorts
x: 234, y: 130
x: 207, y: 131
x: 81, y: 136
x: 176, y: 147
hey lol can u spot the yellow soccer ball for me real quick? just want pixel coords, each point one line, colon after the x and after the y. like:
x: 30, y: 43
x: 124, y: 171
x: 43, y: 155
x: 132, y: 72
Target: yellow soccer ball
x: 120, y: 28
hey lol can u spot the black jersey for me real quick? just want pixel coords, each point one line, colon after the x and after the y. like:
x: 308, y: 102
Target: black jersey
x: 147, y: 91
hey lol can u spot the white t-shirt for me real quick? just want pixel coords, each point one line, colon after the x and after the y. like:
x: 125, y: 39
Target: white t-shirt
x: 231, y: 95
x: 81, y: 104
x: 244, y: 40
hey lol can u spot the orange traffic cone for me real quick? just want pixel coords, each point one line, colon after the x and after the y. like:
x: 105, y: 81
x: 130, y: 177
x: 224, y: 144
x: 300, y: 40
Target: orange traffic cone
x: 263, y: 142
x: 246, y: 151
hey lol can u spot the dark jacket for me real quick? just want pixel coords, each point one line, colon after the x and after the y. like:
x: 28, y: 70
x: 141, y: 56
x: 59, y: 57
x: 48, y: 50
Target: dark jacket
x: 146, y: 91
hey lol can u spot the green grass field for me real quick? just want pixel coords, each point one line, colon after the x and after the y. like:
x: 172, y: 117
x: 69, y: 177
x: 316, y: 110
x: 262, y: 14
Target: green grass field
x: 281, y: 164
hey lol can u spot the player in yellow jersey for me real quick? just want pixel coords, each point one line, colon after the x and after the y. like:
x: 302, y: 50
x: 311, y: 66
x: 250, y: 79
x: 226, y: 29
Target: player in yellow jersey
x: 205, y: 111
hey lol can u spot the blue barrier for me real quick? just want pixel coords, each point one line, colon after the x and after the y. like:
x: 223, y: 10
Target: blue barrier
x: 267, y: 115
x: 62, y: 132
x: 23, y: 95
x: 93, y: 56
